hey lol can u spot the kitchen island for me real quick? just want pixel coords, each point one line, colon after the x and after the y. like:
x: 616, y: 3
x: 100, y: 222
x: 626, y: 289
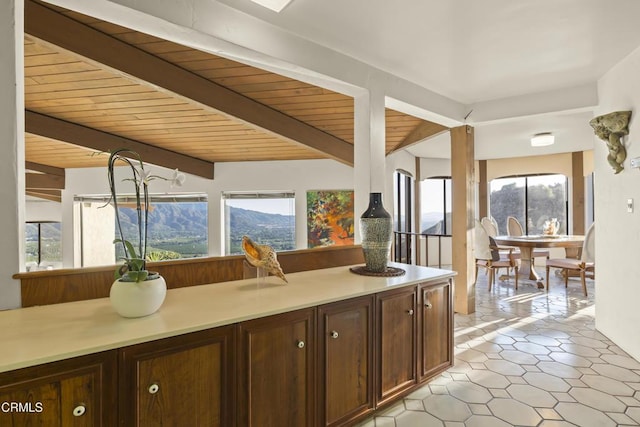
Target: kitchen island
x: 335, y: 345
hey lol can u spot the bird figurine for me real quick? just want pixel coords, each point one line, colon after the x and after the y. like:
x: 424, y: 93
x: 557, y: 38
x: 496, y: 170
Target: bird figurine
x: 262, y: 256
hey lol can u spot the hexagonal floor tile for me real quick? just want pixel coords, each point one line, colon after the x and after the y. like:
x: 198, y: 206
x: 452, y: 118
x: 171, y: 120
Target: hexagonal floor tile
x: 607, y: 385
x: 531, y: 348
x: 469, y: 392
x: 616, y: 372
x: 546, y: 382
x: 485, y: 421
x: 580, y: 350
x: 559, y: 370
x: 414, y: 418
x: 570, y: 359
x: 447, y: 408
x: 514, y: 412
x: 532, y: 396
x: 504, y: 367
x: 519, y: 357
x: 583, y: 416
x: 470, y: 355
x: 488, y: 379
x: 622, y: 361
x: 543, y: 340
x: 597, y: 400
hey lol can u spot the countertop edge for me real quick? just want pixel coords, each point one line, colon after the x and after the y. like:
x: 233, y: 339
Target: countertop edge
x: 32, y: 342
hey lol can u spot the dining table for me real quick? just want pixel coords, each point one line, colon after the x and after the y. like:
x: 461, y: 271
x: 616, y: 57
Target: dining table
x: 526, y: 244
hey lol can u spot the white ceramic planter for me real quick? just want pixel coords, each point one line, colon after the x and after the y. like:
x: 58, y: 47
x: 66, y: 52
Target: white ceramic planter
x: 138, y: 299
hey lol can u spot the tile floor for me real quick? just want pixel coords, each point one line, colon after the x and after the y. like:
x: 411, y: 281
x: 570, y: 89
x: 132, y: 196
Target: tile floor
x: 525, y: 358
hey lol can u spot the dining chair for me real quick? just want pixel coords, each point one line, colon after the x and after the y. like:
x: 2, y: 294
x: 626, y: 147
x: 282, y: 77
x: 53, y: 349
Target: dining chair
x: 488, y: 256
x: 514, y: 228
x: 490, y: 227
x: 585, y: 264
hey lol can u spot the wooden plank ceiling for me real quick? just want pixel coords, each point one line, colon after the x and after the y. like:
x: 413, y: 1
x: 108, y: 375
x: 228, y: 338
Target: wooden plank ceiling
x: 83, y: 93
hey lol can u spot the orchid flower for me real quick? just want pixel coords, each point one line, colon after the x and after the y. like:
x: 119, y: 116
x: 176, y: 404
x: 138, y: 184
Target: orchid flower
x: 145, y: 176
x: 177, y: 179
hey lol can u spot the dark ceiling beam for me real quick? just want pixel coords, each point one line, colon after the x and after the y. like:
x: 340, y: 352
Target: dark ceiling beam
x: 424, y: 130
x: 37, y: 167
x: 62, y: 31
x: 50, y: 127
x: 43, y: 181
x: 52, y: 195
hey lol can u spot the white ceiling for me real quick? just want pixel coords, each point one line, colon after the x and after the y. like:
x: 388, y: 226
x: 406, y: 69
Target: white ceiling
x: 477, y: 51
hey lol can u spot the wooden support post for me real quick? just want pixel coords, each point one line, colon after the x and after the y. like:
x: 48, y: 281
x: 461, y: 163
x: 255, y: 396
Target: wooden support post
x: 577, y: 193
x: 483, y: 189
x: 463, y: 214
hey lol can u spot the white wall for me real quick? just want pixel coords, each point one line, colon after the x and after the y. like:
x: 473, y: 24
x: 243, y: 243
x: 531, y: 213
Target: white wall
x: 42, y: 210
x: 618, y: 232
x: 298, y: 176
x: 12, y: 140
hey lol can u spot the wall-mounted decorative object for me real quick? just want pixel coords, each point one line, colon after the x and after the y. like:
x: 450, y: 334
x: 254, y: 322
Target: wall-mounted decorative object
x: 330, y: 218
x: 611, y: 128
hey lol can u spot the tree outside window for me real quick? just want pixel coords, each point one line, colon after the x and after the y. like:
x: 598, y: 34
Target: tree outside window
x: 530, y: 199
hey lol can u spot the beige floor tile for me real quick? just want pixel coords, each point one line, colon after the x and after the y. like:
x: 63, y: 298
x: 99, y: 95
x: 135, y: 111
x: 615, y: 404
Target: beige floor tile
x: 527, y: 358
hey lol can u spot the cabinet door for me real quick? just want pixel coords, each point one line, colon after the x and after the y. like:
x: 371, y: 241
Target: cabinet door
x: 277, y: 372
x: 436, y: 324
x: 397, y: 329
x: 74, y: 392
x: 346, y: 360
x: 180, y: 381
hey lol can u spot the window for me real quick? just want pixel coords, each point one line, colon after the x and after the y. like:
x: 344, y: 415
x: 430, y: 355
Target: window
x: 43, y: 244
x: 531, y: 199
x: 403, y: 221
x: 178, y: 227
x: 267, y: 217
x: 435, y: 197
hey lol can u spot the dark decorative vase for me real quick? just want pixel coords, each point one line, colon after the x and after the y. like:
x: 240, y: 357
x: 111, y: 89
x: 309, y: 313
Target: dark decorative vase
x: 376, y: 228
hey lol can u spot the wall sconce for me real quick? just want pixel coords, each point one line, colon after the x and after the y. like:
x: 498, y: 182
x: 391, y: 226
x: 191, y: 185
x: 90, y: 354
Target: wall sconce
x: 611, y: 128
x: 542, y: 139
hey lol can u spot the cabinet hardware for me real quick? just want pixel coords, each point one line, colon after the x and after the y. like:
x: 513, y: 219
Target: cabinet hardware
x: 79, y: 410
x: 410, y: 312
x: 428, y: 304
x: 300, y: 344
x: 154, y: 388
x: 334, y: 334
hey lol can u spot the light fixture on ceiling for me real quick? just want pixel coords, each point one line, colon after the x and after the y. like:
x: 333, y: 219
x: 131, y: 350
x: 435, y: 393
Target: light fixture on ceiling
x: 275, y: 5
x: 542, y: 139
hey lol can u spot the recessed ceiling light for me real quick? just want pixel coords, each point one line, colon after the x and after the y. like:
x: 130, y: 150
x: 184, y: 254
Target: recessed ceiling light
x: 275, y: 5
x: 542, y: 139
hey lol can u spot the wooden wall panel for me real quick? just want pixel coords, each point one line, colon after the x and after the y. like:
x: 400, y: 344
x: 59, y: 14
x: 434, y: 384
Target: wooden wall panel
x: 58, y: 286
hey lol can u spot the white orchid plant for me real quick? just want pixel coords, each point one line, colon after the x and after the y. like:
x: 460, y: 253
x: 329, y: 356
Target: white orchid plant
x: 135, y: 262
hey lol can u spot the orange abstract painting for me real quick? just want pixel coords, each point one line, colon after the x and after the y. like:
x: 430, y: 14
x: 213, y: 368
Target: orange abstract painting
x: 330, y: 218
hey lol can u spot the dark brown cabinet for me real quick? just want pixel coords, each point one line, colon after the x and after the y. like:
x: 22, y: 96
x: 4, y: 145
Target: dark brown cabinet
x: 74, y: 392
x: 397, y: 342
x: 345, y: 331
x: 276, y: 372
x: 436, y: 325
x: 325, y: 366
x: 179, y: 381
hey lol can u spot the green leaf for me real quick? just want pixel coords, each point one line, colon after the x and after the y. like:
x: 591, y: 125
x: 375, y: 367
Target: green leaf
x: 138, y: 276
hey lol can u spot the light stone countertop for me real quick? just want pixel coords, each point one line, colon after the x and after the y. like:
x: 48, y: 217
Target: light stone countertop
x: 36, y: 335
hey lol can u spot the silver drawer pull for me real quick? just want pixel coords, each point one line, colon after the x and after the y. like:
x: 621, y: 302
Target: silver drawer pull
x: 410, y: 312
x: 428, y: 304
x: 79, y: 410
x: 300, y: 344
x: 154, y: 388
x: 334, y: 334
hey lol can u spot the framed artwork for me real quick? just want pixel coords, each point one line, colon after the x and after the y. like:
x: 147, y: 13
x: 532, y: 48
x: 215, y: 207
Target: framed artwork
x: 330, y: 219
